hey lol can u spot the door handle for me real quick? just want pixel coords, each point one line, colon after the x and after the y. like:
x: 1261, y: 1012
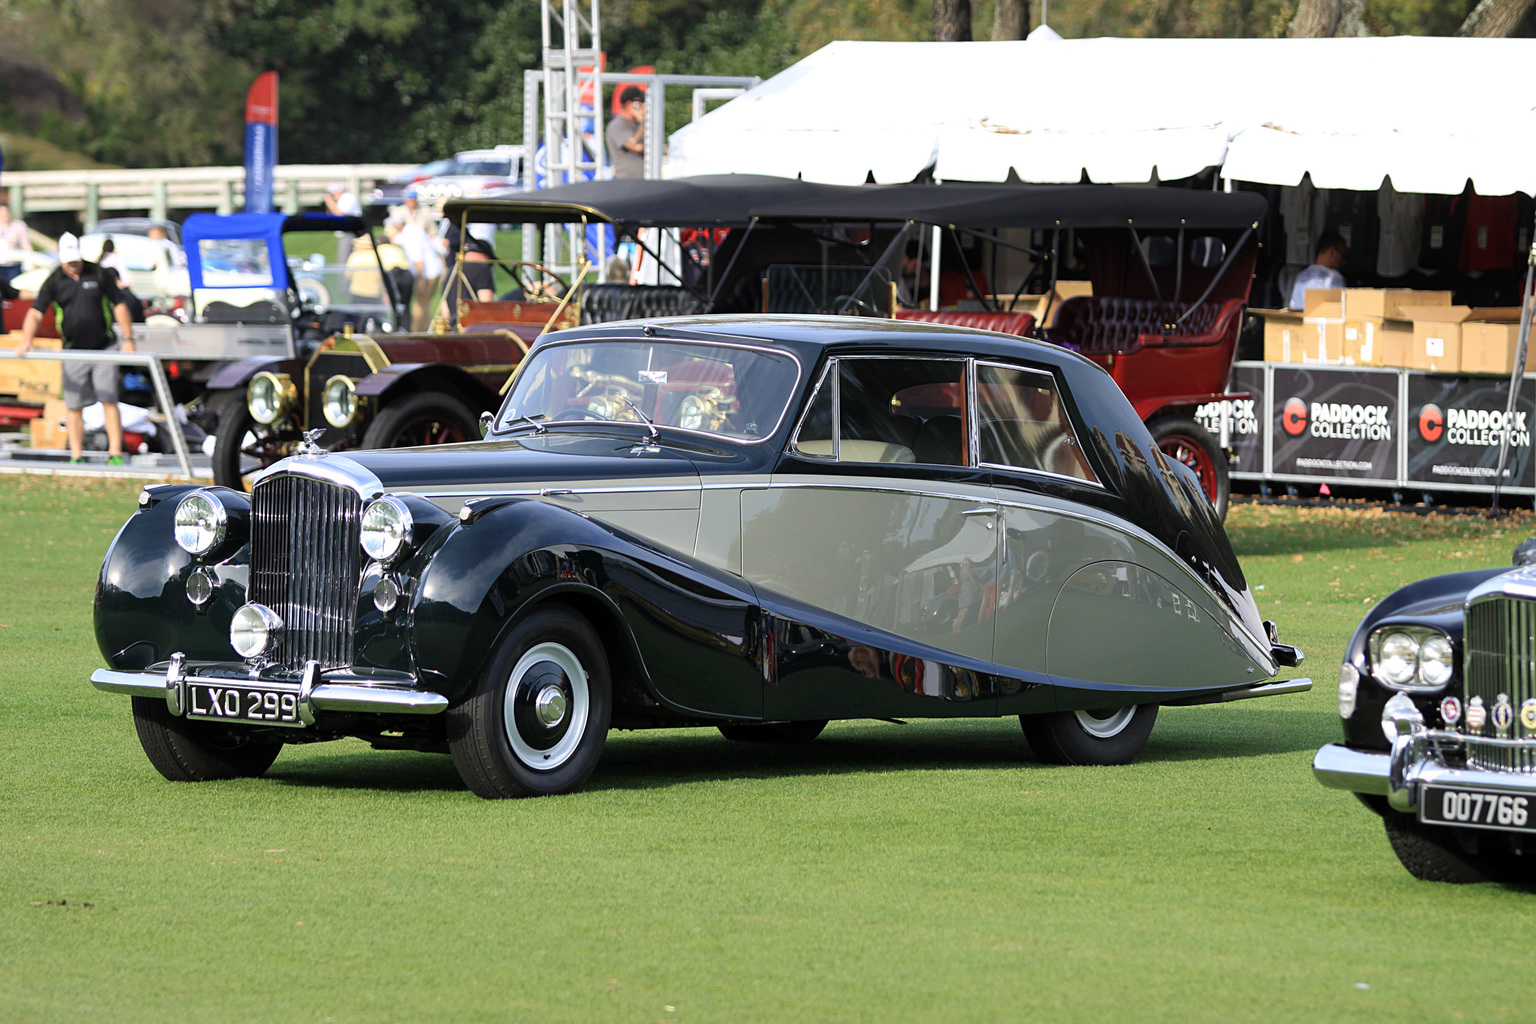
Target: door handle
x: 979, y: 512
x: 546, y: 492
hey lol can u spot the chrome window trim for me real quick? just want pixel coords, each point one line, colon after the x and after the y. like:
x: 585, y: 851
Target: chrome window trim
x: 833, y: 363
x: 540, y: 491
x: 766, y: 435
x: 1076, y: 432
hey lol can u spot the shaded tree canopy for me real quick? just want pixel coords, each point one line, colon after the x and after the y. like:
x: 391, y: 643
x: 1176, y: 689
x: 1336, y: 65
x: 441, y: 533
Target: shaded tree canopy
x: 162, y: 82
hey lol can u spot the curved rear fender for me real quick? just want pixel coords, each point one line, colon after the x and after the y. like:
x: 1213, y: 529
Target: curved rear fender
x: 141, y: 610
x: 685, y: 633
x: 238, y: 374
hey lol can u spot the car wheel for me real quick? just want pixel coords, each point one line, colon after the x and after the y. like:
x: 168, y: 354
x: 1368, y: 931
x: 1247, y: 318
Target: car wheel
x: 1098, y: 736
x: 775, y: 732
x: 1434, y: 853
x: 185, y: 751
x: 537, y: 720
x: 242, y: 446
x: 428, y: 417
x: 1183, y: 440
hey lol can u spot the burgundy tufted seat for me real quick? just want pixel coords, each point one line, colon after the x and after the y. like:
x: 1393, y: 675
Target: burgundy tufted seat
x: 1111, y: 325
x: 1003, y: 323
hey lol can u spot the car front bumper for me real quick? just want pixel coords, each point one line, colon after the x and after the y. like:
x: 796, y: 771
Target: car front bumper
x: 1401, y: 776
x: 330, y: 691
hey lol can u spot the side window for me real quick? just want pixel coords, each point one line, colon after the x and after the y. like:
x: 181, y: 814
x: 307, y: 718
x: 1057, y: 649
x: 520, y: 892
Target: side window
x: 889, y: 410
x: 1023, y: 423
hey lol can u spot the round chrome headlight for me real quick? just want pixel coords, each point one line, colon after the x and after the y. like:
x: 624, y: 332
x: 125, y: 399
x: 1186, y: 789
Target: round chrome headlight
x: 690, y: 413
x: 1435, y: 662
x: 339, y: 401
x: 201, y: 522
x: 269, y: 396
x: 387, y: 528
x: 1398, y: 660
x: 254, y: 629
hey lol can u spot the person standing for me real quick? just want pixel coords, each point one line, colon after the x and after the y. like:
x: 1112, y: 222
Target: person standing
x: 426, y: 264
x: 625, y: 135
x: 13, y: 242
x: 1325, y: 273
x: 84, y: 294
x: 341, y: 203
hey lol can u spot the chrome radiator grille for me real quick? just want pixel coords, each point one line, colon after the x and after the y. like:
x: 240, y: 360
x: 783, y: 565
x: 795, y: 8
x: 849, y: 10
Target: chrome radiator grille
x: 305, y: 565
x: 1499, y: 659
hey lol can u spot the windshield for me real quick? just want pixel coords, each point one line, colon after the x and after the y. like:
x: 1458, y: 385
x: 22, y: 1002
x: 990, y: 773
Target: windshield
x: 735, y: 393
x: 493, y: 167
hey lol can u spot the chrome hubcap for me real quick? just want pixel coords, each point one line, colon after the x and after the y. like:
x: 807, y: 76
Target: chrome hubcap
x: 1105, y: 723
x: 549, y: 705
x: 545, y: 706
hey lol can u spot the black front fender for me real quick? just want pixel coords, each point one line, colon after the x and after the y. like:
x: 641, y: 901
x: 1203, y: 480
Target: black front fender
x: 681, y: 636
x: 142, y: 614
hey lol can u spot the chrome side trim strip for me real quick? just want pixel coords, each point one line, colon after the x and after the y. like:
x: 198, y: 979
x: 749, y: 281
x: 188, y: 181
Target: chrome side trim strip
x: 332, y: 696
x: 1274, y: 689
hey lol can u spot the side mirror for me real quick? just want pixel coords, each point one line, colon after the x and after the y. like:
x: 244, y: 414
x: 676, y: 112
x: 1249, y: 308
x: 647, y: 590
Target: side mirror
x: 1525, y: 552
x: 487, y: 416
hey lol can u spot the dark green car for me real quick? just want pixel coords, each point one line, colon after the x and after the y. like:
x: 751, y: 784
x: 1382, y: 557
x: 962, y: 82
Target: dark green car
x: 756, y: 523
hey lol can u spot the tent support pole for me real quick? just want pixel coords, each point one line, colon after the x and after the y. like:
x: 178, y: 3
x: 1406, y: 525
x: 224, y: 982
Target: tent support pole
x: 725, y: 275
x: 1527, y: 308
x: 1222, y: 272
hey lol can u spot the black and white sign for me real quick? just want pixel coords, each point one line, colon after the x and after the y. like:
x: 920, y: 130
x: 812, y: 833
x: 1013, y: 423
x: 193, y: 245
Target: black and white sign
x: 1335, y: 423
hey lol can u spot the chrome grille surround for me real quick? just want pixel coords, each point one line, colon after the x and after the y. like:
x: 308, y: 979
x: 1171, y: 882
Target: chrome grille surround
x: 306, y: 560
x: 1499, y: 661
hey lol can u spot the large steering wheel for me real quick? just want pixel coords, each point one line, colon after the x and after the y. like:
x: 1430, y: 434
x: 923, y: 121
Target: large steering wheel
x: 536, y: 279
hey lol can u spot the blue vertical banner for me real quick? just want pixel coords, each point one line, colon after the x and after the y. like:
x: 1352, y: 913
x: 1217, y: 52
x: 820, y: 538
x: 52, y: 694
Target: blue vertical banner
x: 260, y: 142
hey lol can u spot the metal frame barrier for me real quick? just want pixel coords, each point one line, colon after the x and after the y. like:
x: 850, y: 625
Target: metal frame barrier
x: 156, y: 374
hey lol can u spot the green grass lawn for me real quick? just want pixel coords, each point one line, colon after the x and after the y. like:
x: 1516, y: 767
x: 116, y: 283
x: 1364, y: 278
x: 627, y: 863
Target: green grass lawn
x: 928, y: 872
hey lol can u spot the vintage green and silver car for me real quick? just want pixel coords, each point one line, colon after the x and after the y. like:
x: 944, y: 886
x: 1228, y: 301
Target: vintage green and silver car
x: 757, y: 523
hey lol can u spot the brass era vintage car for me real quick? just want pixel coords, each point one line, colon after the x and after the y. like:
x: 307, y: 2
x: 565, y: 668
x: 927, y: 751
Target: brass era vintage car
x: 1438, y: 698
x: 752, y: 522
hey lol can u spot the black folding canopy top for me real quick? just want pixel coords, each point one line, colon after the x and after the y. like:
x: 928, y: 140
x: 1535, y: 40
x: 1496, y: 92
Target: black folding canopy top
x: 735, y: 200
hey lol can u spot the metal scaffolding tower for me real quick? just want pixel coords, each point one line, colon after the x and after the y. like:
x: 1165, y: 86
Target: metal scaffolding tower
x: 572, y: 73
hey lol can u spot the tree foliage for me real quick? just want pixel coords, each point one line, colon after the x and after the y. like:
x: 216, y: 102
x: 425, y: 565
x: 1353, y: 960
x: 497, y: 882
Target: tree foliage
x: 162, y: 82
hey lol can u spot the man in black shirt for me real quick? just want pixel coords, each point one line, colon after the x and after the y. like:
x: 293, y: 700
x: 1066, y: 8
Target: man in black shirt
x: 83, y: 295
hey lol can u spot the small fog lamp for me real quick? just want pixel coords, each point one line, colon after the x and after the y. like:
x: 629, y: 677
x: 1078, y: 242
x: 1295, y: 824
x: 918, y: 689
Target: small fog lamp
x: 254, y: 629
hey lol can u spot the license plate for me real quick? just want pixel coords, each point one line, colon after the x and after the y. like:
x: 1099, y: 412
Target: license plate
x: 239, y: 702
x: 1476, y: 809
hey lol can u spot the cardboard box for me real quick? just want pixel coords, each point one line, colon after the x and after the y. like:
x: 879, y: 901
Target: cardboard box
x: 48, y: 429
x: 1375, y: 342
x: 1388, y: 303
x: 31, y: 379
x: 1282, y: 335
x: 1436, y: 337
x: 1323, y: 303
x: 1489, y: 341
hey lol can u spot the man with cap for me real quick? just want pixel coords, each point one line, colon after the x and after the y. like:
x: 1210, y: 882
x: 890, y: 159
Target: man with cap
x: 86, y: 300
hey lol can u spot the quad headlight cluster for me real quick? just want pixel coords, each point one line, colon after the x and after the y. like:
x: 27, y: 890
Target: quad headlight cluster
x: 1412, y: 658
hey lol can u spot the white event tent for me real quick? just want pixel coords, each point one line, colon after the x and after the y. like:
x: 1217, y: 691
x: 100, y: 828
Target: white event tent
x: 1430, y: 113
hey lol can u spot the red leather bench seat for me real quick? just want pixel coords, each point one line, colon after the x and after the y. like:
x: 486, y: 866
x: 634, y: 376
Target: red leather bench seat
x: 1110, y: 325
x: 1003, y: 323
